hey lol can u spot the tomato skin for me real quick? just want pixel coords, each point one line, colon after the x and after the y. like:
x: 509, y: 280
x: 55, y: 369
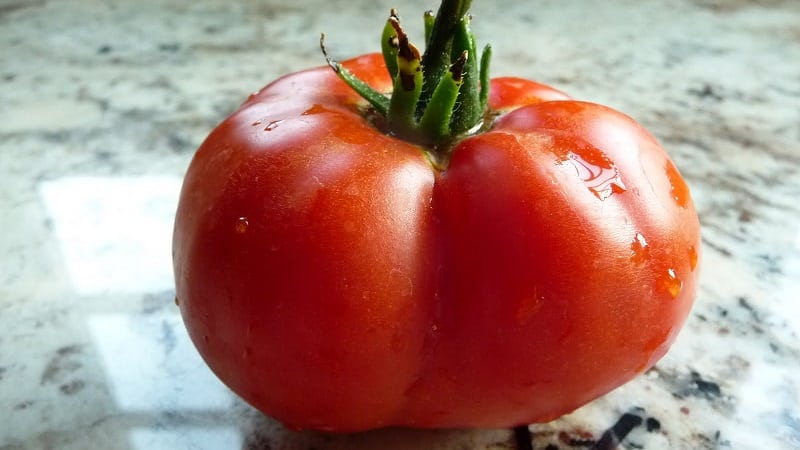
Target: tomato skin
x: 336, y: 280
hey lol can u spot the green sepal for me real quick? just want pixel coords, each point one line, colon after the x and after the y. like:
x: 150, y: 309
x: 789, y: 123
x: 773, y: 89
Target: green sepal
x: 468, y: 109
x: 486, y: 57
x: 407, y: 85
x: 378, y: 101
x: 389, y: 45
x: 435, y: 121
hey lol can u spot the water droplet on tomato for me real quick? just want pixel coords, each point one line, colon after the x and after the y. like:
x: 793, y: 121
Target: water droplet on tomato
x: 272, y: 125
x: 246, y: 353
x: 596, y: 171
x: 177, y: 301
x: 617, y: 187
x: 693, y: 258
x: 205, y: 338
x: 256, y: 123
x: 241, y: 225
x: 640, y: 249
x: 315, y: 109
x: 678, y: 188
x: 670, y: 282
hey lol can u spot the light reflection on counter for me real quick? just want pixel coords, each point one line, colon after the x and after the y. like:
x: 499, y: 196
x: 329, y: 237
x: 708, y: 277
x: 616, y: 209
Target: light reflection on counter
x: 151, y: 364
x: 115, y: 232
x: 196, y: 438
x: 114, y: 237
x: 788, y: 298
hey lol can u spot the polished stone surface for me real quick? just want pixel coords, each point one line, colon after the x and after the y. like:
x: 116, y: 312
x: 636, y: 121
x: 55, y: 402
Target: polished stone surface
x: 103, y: 103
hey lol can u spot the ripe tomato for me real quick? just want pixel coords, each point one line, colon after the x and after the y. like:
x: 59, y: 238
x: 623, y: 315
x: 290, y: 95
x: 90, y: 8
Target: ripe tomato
x: 335, y: 278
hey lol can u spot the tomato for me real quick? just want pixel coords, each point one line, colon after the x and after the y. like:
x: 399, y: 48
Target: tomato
x: 336, y: 278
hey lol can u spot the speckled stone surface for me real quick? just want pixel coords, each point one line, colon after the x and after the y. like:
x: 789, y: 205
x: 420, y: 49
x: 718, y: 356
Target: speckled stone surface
x: 103, y: 103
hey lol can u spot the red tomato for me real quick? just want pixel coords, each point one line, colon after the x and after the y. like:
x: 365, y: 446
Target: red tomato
x: 334, y: 278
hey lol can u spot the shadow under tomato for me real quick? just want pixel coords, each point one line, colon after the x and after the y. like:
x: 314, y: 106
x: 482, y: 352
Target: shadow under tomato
x: 263, y: 433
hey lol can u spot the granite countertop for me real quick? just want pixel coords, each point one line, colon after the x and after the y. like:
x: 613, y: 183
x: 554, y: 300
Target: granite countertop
x: 103, y: 103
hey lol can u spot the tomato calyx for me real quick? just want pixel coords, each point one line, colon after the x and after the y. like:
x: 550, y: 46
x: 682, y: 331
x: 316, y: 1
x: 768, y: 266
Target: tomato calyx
x: 438, y: 96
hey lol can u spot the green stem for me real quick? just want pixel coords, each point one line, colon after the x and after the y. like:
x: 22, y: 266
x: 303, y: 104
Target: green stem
x: 438, y: 96
x: 436, y: 58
